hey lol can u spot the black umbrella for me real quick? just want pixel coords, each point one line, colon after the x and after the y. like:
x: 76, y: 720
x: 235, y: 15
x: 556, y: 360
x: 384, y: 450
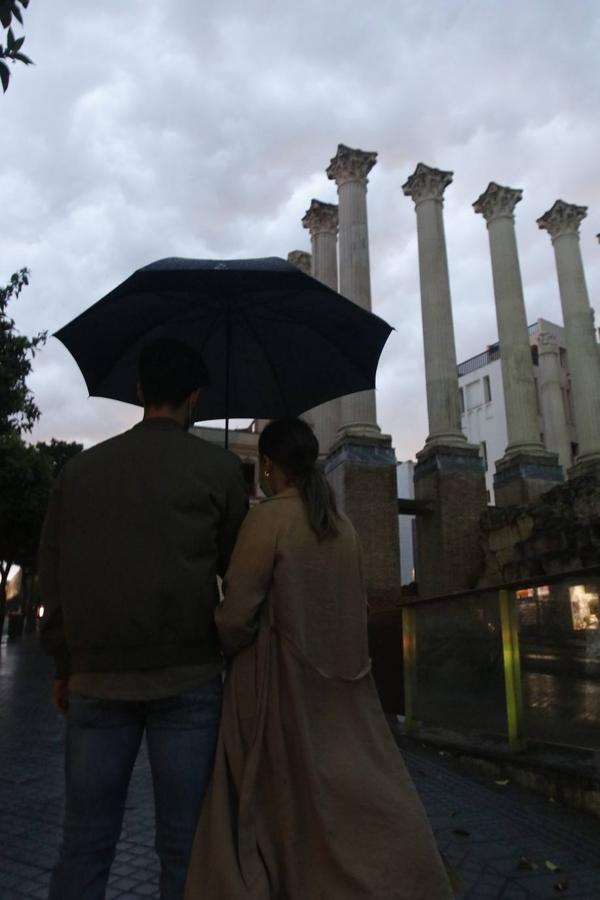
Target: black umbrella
x: 275, y: 341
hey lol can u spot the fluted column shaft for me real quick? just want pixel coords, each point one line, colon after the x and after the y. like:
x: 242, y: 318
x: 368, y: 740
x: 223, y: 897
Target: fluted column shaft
x: 349, y: 169
x: 562, y: 223
x: 556, y: 430
x: 321, y: 219
x: 426, y: 187
x: 497, y: 206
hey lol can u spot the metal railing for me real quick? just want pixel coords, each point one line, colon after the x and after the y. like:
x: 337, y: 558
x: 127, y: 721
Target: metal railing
x: 518, y: 660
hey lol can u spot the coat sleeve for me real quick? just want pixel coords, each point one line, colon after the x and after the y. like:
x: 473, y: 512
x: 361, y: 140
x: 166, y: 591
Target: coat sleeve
x: 236, y: 509
x: 247, y: 581
x: 52, y: 629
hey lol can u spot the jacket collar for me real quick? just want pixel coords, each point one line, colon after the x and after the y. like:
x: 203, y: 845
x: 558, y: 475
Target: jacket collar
x: 157, y: 423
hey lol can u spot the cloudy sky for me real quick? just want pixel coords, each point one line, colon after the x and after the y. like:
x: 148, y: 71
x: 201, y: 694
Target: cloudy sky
x: 177, y: 128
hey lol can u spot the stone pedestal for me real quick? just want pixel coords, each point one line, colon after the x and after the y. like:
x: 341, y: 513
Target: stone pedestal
x: 362, y: 473
x: 521, y: 478
x: 349, y: 169
x: 451, y: 480
x: 562, y: 223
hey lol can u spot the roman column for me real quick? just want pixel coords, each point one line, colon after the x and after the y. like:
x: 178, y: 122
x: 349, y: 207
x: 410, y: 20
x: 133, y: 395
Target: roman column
x: 301, y: 259
x: 562, y: 223
x: 361, y: 465
x: 321, y: 220
x: 426, y: 187
x: 556, y: 430
x: 526, y: 470
x: 349, y: 169
x: 497, y: 206
x: 449, y: 475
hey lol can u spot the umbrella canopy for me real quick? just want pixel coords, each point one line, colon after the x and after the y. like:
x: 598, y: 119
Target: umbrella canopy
x: 275, y: 341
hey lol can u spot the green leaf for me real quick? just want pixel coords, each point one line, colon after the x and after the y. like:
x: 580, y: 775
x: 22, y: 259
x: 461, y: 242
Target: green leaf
x: 5, y: 15
x: 4, y: 76
x: 17, y: 13
x: 24, y: 59
x: 10, y: 40
x: 18, y: 43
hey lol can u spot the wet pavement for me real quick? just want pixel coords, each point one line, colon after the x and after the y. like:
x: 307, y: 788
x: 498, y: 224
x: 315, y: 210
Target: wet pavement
x: 505, y: 843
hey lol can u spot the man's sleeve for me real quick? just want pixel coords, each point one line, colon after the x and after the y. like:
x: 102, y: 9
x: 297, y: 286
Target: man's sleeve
x: 52, y: 630
x: 247, y: 582
x: 236, y: 508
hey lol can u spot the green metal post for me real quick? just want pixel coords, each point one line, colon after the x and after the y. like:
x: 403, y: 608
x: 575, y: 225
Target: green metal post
x: 509, y: 617
x: 409, y: 646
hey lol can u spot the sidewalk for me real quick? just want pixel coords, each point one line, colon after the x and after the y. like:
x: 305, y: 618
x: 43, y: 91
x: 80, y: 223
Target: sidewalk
x: 505, y: 843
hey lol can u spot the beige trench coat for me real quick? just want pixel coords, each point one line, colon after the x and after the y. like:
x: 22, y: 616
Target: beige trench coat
x: 310, y: 799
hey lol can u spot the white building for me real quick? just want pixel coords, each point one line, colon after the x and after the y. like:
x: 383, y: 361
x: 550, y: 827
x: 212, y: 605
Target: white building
x: 483, y: 418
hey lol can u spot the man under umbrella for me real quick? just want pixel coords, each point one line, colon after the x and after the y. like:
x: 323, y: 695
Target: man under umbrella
x: 137, y: 530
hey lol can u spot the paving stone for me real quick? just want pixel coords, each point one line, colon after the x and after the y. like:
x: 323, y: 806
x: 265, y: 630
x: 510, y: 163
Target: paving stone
x: 502, y: 825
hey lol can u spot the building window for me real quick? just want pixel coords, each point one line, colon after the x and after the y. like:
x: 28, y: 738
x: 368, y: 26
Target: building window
x: 562, y: 354
x: 474, y: 395
x: 487, y: 389
x: 461, y: 400
x: 484, y: 456
x: 535, y: 355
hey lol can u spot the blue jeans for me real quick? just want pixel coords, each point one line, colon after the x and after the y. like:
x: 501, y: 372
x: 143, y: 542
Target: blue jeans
x: 103, y: 739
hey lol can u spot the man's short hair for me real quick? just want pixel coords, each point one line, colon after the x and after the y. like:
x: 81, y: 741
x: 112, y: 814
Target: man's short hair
x: 169, y: 371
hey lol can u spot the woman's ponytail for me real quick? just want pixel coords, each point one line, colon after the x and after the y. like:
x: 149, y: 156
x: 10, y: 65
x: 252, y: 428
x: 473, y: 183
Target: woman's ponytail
x: 292, y: 445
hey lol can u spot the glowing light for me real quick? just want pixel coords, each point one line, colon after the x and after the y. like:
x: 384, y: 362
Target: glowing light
x: 41, y: 612
x: 585, y: 608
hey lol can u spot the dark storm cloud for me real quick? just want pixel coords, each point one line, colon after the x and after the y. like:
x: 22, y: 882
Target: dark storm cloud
x: 148, y: 129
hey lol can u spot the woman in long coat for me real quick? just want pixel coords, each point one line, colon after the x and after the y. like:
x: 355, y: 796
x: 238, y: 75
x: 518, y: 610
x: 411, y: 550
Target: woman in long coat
x: 310, y: 799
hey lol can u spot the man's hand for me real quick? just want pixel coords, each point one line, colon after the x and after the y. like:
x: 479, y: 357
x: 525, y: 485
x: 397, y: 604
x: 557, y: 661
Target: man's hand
x: 60, y: 694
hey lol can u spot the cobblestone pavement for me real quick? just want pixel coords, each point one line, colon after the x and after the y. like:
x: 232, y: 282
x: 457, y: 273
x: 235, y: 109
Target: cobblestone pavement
x: 505, y: 843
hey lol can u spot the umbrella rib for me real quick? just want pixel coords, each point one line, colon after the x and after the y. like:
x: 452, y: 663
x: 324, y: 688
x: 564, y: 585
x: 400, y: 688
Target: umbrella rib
x: 267, y: 357
x: 334, y: 343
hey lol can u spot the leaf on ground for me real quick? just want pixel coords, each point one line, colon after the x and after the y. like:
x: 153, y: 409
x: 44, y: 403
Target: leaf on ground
x: 552, y: 866
x: 561, y: 886
x: 526, y: 865
x: 503, y: 782
x: 461, y: 832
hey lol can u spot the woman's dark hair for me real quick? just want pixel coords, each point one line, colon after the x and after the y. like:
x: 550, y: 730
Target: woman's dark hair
x: 169, y: 371
x: 292, y: 445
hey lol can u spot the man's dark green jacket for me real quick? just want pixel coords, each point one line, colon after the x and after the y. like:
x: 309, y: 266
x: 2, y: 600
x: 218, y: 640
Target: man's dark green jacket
x: 137, y: 530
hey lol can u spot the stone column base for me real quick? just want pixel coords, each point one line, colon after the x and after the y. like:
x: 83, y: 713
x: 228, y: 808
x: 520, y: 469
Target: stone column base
x: 362, y: 473
x: 451, y: 480
x: 522, y: 477
x: 585, y: 467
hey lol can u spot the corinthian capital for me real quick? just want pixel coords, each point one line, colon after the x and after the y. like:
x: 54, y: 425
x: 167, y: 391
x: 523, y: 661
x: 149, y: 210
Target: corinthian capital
x: 426, y: 183
x: 497, y: 202
x: 563, y: 218
x: 547, y: 342
x: 350, y: 165
x: 321, y: 217
x: 301, y: 259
